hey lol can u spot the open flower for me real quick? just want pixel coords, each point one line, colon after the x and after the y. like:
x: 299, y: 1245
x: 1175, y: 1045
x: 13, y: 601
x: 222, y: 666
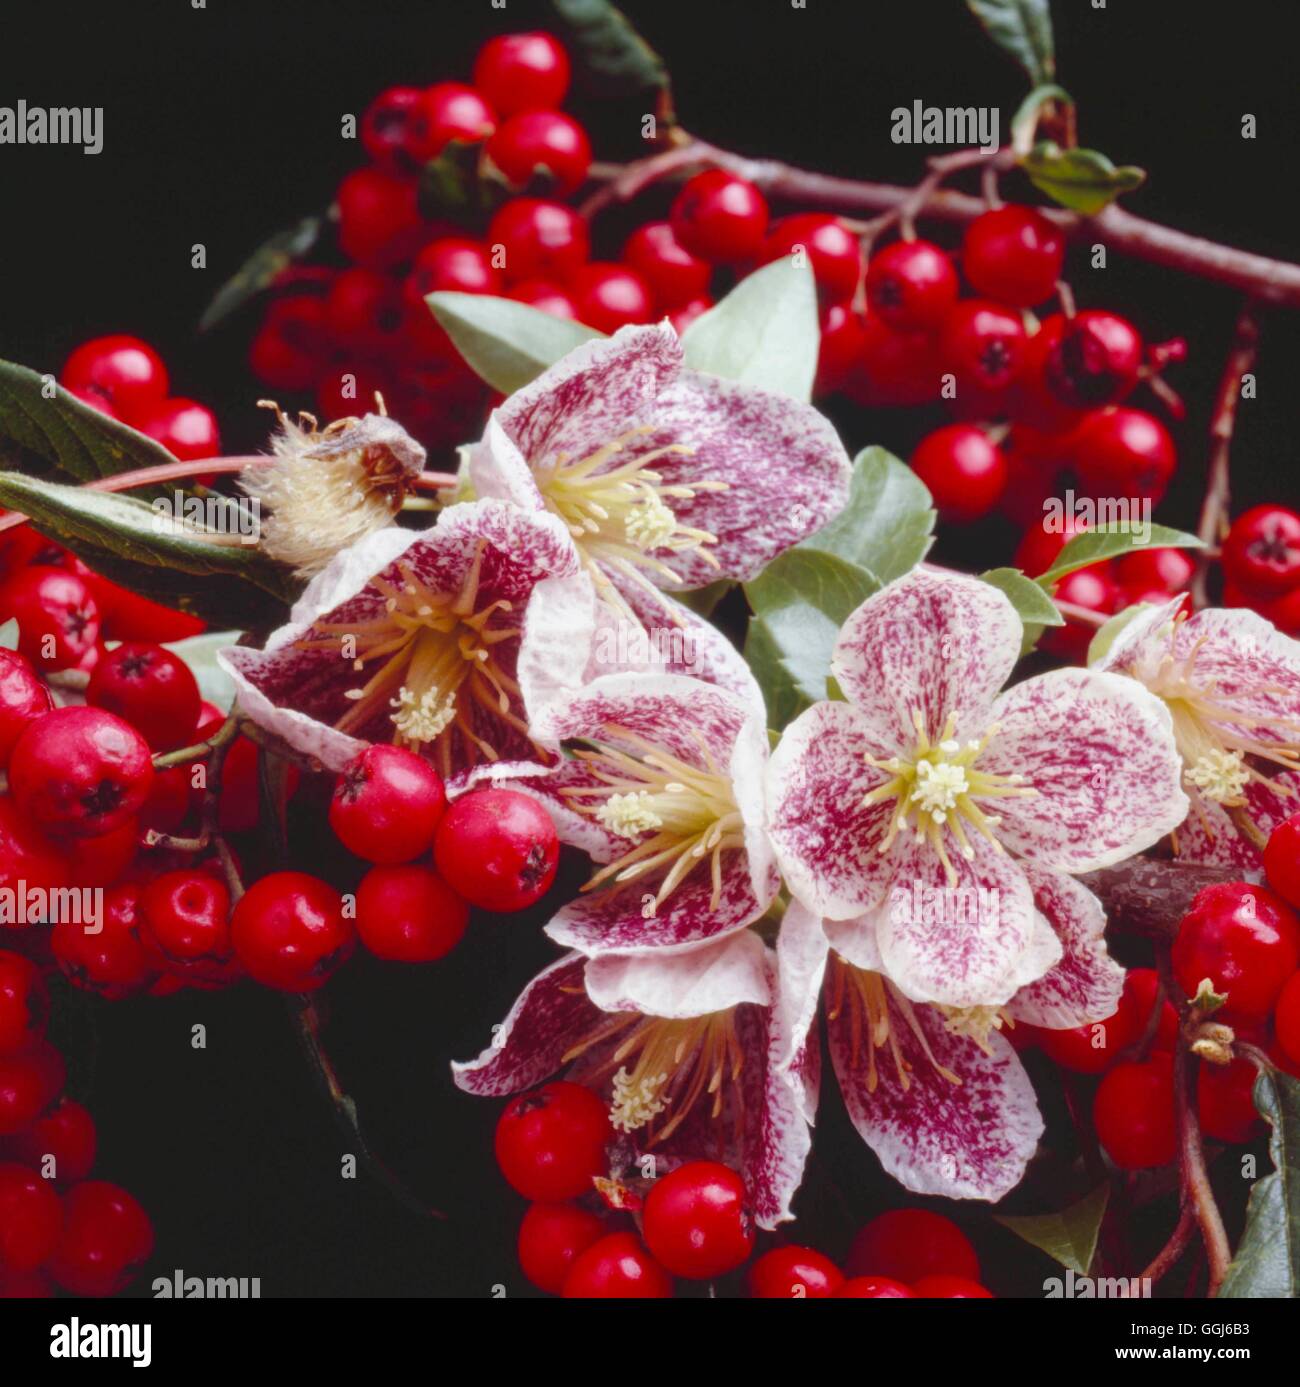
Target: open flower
x: 663, y: 788
x: 664, y: 476
x: 938, y: 1093
x: 442, y: 641
x: 683, y: 1047
x: 928, y: 779
x: 1231, y: 682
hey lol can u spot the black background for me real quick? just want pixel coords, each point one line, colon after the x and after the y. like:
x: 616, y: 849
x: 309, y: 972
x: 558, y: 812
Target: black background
x: 221, y: 125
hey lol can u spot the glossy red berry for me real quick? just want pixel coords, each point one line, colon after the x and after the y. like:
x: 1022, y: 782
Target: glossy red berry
x: 24, y: 1003
x: 128, y: 616
x: 720, y: 217
x: 187, y: 429
x: 1225, y: 1101
x: 89, y: 397
x: 610, y: 296
x: 58, y: 618
x: 794, y: 1273
x: 80, y: 772
x: 1133, y: 1112
x: 540, y: 239
x: 1042, y: 543
x: 1245, y: 940
x: 290, y: 932
x: 286, y: 352
x: 101, y: 860
x: 1091, y: 359
x: 60, y: 1146
x: 458, y: 113
x: 898, y: 368
x: 963, y: 469
x: 378, y: 217
x: 1282, y: 860
x: 27, y: 857
x: 673, y: 275
x: 186, y: 919
x: 1092, y: 1049
x: 843, y: 342
x: 1152, y: 570
x: 453, y: 263
x: 983, y: 345
x: 498, y: 849
x: 387, y: 804
x: 31, y: 1218
x: 397, y: 130
x: 617, y: 1267
x: 697, y: 1221
x: 106, y: 1239
x: 551, y: 1238
x: 911, y: 285
x: 1013, y: 254
x: 29, y: 1084
x: 123, y: 371
x: 826, y: 245
x: 522, y: 72
x: 681, y: 318
x: 111, y: 961
x: 1262, y: 551
x: 546, y: 297
x: 409, y: 914
x: 364, y: 311
x: 1092, y: 588
x: 152, y: 689
x: 548, y: 141
x: 1140, y: 988
x: 24, y: 697
x: 1124, y: 452
x: 910, y: 1243
x: 1286, y: 1019
x: 950, y: 1288
x: 874, y: 1288
x: 550, y: 1143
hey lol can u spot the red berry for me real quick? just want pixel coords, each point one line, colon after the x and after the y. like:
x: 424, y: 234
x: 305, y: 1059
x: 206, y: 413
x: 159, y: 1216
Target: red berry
x: 697, y: 1221
x: 551, y: 1238
x: 289, y: 931
x: 1245, y: 940
x: 287, y: 351
x: 187, y: 429
x: 454, y: 263
x: 364, y: 311
x: 128, y: 616
x: 100, y: 860
x: 874, y: 1288
x: 720, y: 218
x: 1013, y: 254
x: 498, y: 849
x: 550, y: 1144
x: 1282, y: 860
x: 31, y: 1218
x: 827, y: 246
x: 910, y: 1243
x: 346, y: 392
x: 151, y: 688
x: 106, y: 1238
x: 1286, y: 1019
x: 546, y: 140
x: 794, y: 1273
x: 610, y: 296
x: 546, y: 297
x: 1140, y: 986
x: 409, y: 914
x: 1133, y: 1112
x: 1151, y: 570
x: 843, y: 342
x: 111, y: 961
x: 522, y: 72
x: 58, y: 619
x: 911, y: 285
x: 23, y: 698
x: 983, y: 345
x: 1225, y: 1101
x: 1091, y: 359
x: 1124, y: 452
x: 1092, y: 1049
x: 540, y: 239
x: 673, y: 274
x: 1092, y: 588
x: 24, y: 1003
x: 1039, y: 548
x: 457, y: 112
x: 899, y: 368
x: 1262, y: 551
x: 617, y: 1267
x: 29, y: 1083
x: 26, y: 856
x: 378, y: 217
x: 123, y: 371
x: 950, y: 1288
x: 387, y: 804
x: 61, y: 1145
x: 186, y: 919
x: 963, y: 469
x: 397, y: 130
x: 80, y: 771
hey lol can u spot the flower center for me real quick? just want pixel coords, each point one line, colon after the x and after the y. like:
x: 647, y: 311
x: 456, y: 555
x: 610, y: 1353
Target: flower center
x: 432, y: 663
x: 674, y: 815
x: 936, y: 787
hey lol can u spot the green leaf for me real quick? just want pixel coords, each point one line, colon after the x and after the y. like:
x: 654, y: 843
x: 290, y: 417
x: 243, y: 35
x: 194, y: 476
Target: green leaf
x: 460, y: 184
x: 782, y: 699
x: 1104, y: 637
x: 887, y: 524
x: 1024, y: 29
x: 1025, y: 120
x: 612, y: 58
x: 200, y: 654
x: 9, y: 635
x: 764, y: 333
x: 1109, y: 541
x: 703, y: 601
x: 507, y: 343
x: 801, y: 599
x: 1081, y: 179
x: 228, y: 584
x: 1268, y: 1257
x: 1034, y: 607
x: 43, y: 428
x: 1070, y: 1236
x: 262, y: 269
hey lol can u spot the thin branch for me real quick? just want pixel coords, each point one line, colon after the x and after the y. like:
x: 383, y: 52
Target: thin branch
x: 1167, y: 1258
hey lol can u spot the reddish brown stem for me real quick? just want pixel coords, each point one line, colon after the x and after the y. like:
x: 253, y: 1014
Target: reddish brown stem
x: 1167, y: 1258
x: 1195, y: 1175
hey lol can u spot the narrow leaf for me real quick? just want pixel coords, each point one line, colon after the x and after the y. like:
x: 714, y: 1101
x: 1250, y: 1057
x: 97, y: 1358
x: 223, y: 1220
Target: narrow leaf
x: 1109, y: 541
x: 1083, y: 180
x: 1022, y: 28
x: 612, y: 58
x: 262, y: 269
x: 1032, y: 604
x: 1070, y: 1236
x: 782, y: 699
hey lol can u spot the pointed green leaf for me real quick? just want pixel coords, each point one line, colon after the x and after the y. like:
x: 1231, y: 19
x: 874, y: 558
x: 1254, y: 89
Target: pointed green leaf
x: 1110, y: 541
x: 1081, y: 179
x: 1032, y: 604
x: 262, y: 269
x: 9, y: 635
x: 1024, y: 29
x: 612, y: 58
x: 1070, y: 1236
x: 200, y: 654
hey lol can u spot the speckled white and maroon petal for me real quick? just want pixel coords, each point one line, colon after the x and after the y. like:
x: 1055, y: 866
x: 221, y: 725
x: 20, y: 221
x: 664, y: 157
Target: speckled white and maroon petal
x: 783, y: 1138
x: 827, y: 842
x: 346, y: 574
x: 1253, y: 668
x: 503, y: 775
x: 747, y: 768
x: 499, y: 471
x: 801, y: 954
x: 855, y: 940
x: 684, y: 983
x: 1143, y: 640
x: 559, y: 627
x: 940, y: 642
x: 1209, y: 838
x: 551, y: 1015
x: 1099, y: 751
x: 962, y: 947
x: 970, y: 1140
x: 1085, y: 985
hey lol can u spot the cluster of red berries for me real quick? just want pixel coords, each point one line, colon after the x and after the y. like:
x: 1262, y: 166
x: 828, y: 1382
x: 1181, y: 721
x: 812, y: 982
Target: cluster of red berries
x: 1261, y: 565
x: 57, y: 1226
x: 693, y: 1223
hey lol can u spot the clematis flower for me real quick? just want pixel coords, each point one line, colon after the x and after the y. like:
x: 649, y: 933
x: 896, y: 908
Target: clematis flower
x: 928, y: 779
x: 664, y: 476
x: 663, y: 788
x: 947, y: 1107
x: 440, y: 640
x: 682, y: 1046
x: 1231, y: 682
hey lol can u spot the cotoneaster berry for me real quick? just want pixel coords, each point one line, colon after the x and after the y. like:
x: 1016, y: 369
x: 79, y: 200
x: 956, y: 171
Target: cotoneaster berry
x: 378, y: 217
x: 26, y: 855
x: 451, y: 263
x: 1282, y: 860
x: 1286, y: 1019
x: 1093, y: 1049
x: 541, y: 239
x: 898, y: 368
x: 387, y: 804
x: 673, y: 275
x: 794, y: 1273
x: 290, y: 932
x: 397, y: 130
x: 458, y: 112
x: 522, y: 72
x: 152, y: 689
x: 874, y: 1288
x: 1225, y: 1101
x: 1262, y: 551
x: 551, y: 1238
x: 101, y: 860
x: 123, y: 371
x: 112, y: 961
x: 546, y: 297
x: 409, y: 914
x: 31, y: 1218
x: 720, y: 217
x: 697, y: 1222
x: 186, y: 918
x: 617, y: 1267
x: 983, y: 345
x: 24, y: 1003
x: 61, y: 1145
x: 364, y: 309
x: 950, y: 1288
x: 609, y: 296
x: 1245, y: 940
x: 106, y: 1238
x: 1149, y: 570
x: 187, y: 429
x: 1133, y: 1112
x: 843, y: 338
x: 549, y: 141
x: 1093, y: 359
x: 826, y: 245
x: 498, y: 849
x: 681, y: 318
x: 1124, y: 452
x: 1140, y: 988
x: 29, y: 1083
x: 911, y: 285
x: 58, y: 618
x: 550, y: 1143
x: 1013, y: 254
x: 24, y: 697
x: 910, y: 1243
x: 1092, y: 588
x: 963, y: 469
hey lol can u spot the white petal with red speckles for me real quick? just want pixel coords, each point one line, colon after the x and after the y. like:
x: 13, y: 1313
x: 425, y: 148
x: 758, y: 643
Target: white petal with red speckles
x: 1209, y: 838
x: 1098, y: 749
x: 940, y: 642
x: 1142, y: 634
x: 780, y: 1145
x: 558, y: 628
x: 347, y: 573
x: 801, y: 954
x: 827, y: 844
x: 970, y: 1140
x: 692, y: 982
x: 1253, y: 668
